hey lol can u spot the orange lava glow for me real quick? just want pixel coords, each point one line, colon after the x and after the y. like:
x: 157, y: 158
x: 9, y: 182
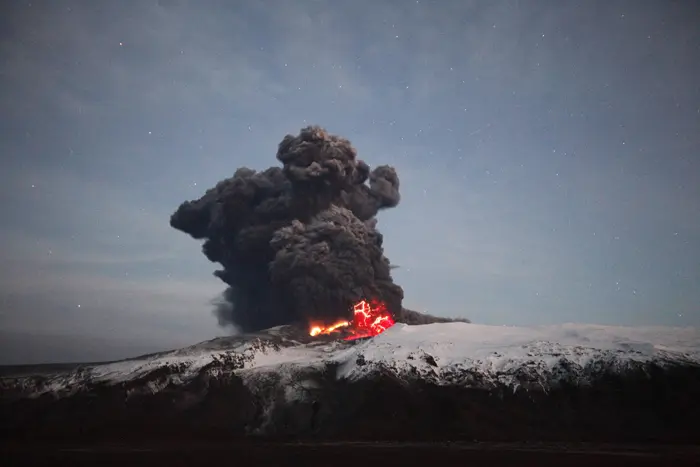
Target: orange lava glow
x: 369, y: 320
x: 316, y: 330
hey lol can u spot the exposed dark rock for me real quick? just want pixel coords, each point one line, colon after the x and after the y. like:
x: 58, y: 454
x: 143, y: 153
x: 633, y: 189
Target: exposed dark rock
x: 656, y: 404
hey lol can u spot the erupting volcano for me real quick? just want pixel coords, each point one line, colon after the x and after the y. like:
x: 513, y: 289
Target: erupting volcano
x: 369, y: 319
x: 299, y: 243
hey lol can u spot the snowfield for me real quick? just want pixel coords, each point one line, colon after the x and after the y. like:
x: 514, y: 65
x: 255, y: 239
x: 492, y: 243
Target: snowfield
x: 496, y: 348
x: 444, y: 354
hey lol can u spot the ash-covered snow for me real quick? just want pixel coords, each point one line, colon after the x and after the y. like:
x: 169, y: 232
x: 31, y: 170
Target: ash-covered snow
x: 444, y: 353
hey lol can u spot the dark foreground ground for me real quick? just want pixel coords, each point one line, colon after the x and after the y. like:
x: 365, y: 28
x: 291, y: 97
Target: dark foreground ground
x: 649, y: 416
x: 350, y: 454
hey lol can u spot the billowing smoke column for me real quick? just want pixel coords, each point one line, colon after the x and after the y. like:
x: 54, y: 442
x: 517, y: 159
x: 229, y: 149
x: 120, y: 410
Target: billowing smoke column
x: 298, y: 243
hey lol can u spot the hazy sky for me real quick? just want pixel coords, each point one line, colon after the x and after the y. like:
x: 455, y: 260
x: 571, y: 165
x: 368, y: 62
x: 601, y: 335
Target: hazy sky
x: 548, y: 152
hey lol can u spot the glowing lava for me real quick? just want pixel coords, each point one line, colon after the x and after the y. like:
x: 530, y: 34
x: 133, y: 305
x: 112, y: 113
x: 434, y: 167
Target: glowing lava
x: 316, y: 330
x: 368, y: 320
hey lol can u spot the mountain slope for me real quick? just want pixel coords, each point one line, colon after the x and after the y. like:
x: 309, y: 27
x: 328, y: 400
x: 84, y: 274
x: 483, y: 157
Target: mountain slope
x: 454, y: 380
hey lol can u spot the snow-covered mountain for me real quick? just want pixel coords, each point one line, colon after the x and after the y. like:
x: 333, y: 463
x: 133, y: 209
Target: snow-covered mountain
x: 426, y: 379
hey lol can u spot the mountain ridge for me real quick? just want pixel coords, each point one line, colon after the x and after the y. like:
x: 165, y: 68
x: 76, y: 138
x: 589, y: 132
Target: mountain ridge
x: 411, y: 381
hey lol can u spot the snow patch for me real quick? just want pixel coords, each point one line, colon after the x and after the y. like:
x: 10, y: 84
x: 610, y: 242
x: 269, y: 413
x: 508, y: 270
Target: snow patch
x: 499, y: 350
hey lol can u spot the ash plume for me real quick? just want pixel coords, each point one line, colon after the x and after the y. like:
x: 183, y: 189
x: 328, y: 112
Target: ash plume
x: 299, y: 242
x: 416, y: 318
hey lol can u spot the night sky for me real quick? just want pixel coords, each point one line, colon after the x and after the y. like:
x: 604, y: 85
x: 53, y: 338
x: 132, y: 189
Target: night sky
x: 549, y: 153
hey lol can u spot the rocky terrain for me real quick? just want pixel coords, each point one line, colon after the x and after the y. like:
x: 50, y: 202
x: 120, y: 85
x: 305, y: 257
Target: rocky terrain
x: 447, y: 381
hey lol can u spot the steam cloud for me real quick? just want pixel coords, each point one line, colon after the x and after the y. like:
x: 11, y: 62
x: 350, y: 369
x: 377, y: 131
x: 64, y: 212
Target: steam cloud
x: 298, y: 243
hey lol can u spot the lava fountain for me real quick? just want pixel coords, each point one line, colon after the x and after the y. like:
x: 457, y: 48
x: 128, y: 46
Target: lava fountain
x: 369, y: 319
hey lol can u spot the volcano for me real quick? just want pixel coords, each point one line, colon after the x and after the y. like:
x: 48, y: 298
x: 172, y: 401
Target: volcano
x: 447, y: 381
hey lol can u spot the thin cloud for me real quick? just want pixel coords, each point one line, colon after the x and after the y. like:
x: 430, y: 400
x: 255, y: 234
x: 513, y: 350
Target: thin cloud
x: 96, y: 305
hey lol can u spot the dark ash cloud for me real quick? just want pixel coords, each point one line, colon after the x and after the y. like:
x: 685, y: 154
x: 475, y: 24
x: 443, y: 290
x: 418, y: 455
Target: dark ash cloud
x: 299, y: 243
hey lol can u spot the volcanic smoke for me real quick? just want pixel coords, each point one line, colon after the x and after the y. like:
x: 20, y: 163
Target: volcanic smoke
x: 298, y: 244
